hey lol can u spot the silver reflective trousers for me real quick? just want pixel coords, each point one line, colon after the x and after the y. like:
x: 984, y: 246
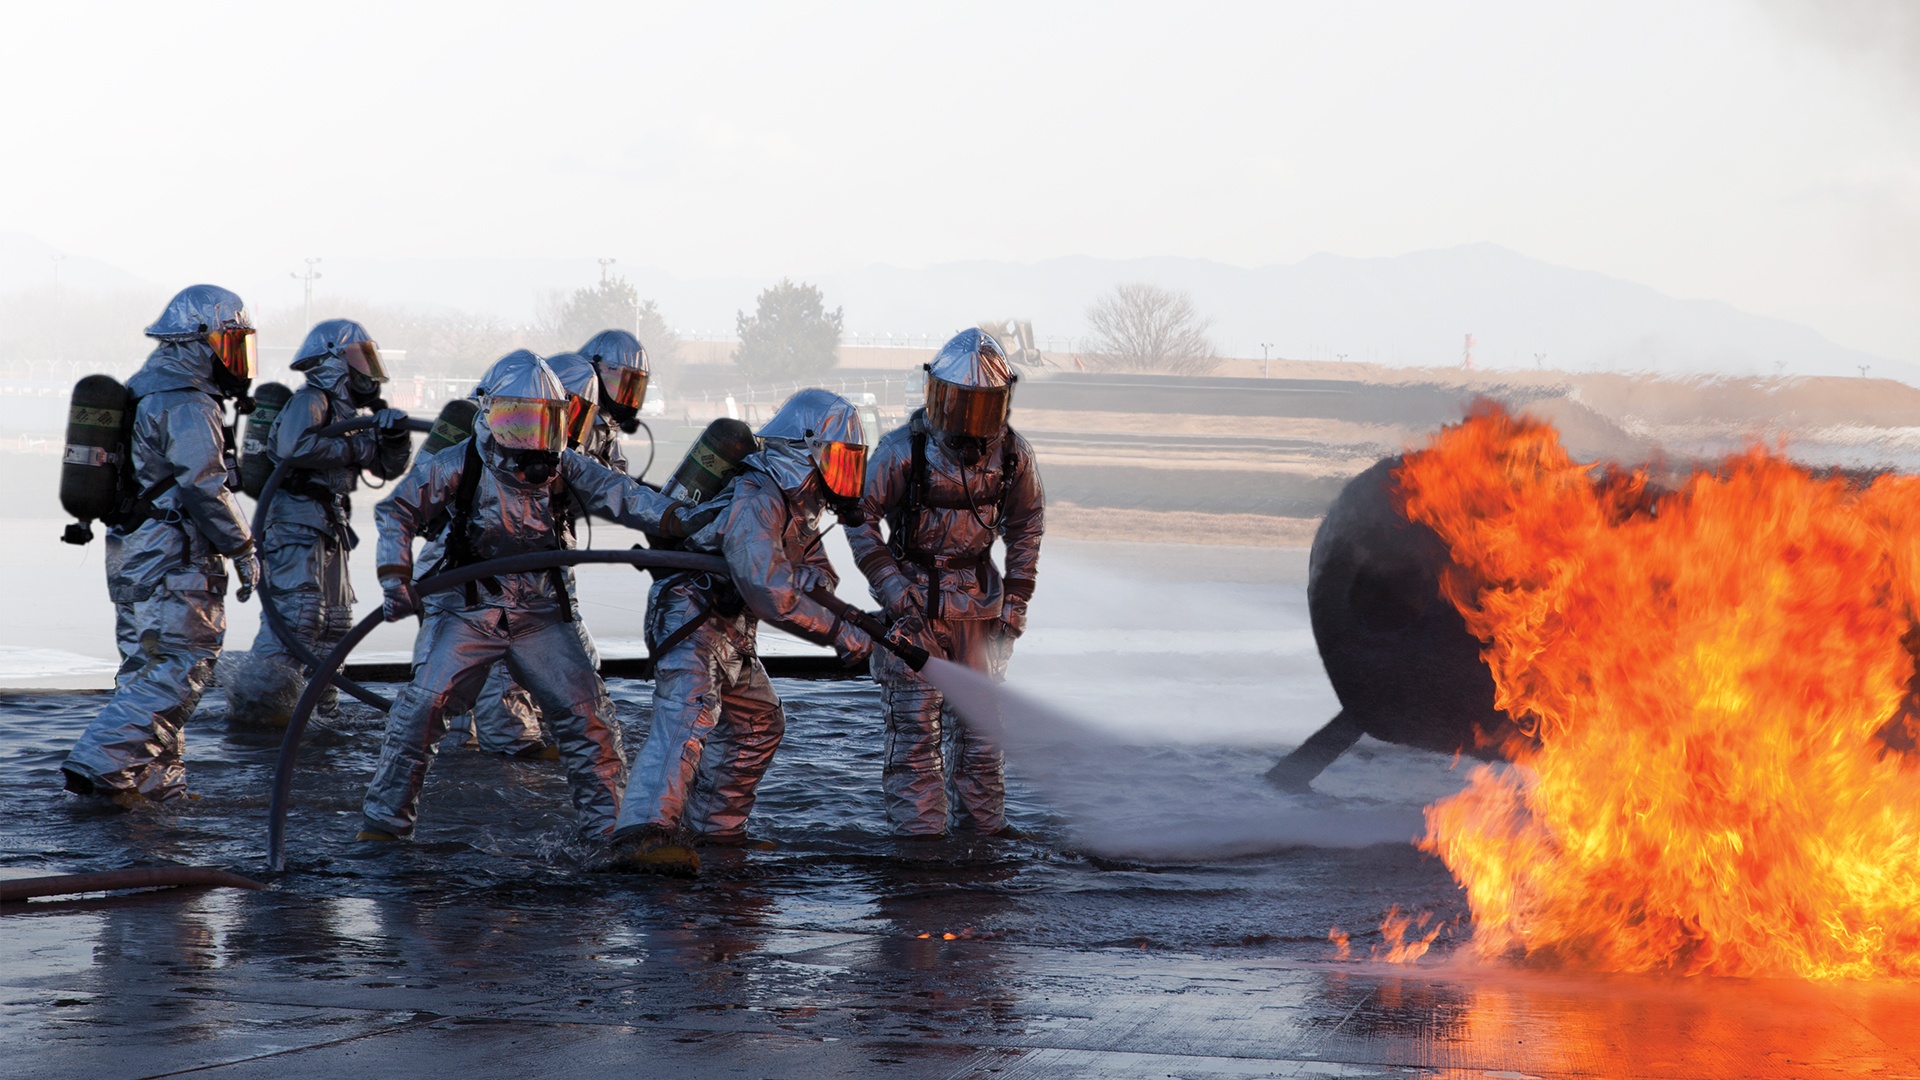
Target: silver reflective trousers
x: 168, y: 645
x: 505, y: 719
x: 453, y: 655
x: 311, y: 591
x: 716, y: 725
x: 934, y: 762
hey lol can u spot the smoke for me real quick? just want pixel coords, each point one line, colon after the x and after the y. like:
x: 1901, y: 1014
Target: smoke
x: 261, y: 690
x: 1159, y: 803
x: 1884, y: 32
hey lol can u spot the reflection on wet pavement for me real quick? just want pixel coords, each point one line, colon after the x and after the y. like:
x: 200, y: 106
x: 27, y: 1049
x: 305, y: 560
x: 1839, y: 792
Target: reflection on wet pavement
x: 485, y: 948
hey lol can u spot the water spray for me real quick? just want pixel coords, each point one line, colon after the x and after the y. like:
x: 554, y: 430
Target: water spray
x: 512, y: 564
x: 294, y: 646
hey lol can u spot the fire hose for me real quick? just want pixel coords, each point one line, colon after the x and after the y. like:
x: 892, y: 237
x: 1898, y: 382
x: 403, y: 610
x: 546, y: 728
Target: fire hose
x: 649, y: 558
x: 294, y: 646
x: 151, y: 877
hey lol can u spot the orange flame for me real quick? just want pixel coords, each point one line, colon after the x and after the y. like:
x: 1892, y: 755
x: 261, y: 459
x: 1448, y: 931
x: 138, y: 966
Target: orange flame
x: 1714, y: 676
x: 1394, y: 929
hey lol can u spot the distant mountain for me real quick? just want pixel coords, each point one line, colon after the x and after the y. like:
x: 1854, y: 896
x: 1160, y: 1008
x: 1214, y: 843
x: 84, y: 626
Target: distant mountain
x: 1410, y: 310
x: 26, y: 263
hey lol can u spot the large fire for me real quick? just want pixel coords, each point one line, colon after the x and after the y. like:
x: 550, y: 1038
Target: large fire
x: 1714, y: 675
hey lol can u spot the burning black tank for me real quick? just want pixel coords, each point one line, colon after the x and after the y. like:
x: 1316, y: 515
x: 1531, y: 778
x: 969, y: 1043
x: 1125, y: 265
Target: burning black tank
x: 1397, y: 652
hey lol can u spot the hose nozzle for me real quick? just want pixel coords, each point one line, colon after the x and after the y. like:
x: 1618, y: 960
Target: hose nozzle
x: 914, y: 656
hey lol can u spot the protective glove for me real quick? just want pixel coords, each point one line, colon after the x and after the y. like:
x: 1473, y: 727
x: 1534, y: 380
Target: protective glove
x: 246, y: 567
x: 901, y: 597
x: 1013, y: 617
x: 681, y: 521
x: 389, y: 421
x: 400, y: 599
x: 852, y: 645
x: 808, y: 579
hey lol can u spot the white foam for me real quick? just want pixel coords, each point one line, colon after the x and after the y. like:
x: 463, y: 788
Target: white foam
x: 23, y: 662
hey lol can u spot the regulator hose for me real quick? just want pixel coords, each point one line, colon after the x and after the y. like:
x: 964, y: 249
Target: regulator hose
x: 294, y: 646
x: 650, y: 558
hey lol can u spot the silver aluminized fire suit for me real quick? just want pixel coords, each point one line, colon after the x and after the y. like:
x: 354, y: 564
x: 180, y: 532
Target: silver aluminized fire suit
x: 716, y: 718
x: 970, y: 617
x: 307, y: 535
x: 167, y: 579
x: 505, y: 719
x: 527, y: 621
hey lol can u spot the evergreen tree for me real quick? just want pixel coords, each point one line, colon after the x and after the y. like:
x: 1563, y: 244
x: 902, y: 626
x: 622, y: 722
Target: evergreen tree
x: 791, y: 337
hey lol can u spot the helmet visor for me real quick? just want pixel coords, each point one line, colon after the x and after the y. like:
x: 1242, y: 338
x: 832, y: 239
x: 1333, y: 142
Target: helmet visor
x: 968, y: 410
x: 580, y: 413
x: 364, y: 357
x: 625, y: 386
x: 527, y: 423
x: 233, y: 348
x: 844, y: 467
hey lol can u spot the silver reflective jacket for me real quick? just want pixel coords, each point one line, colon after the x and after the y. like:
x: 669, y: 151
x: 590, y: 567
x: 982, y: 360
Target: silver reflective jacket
x: 508, y: 517
x: 763, y: 529
x: 178, y: 434
x: 957, y: 522
x: 332, y: 463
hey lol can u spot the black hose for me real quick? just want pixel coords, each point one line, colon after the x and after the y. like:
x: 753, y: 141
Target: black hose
x: 277, y: 622
x: 511, y: 564
x: 150, y: 877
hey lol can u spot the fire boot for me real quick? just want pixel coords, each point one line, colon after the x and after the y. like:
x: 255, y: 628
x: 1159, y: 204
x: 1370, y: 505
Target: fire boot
x: 652, y: 849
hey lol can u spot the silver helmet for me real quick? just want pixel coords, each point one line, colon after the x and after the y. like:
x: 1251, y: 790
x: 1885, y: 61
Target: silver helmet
x: 576, y: 374
x: 970, y: 386
x: 218, y: 318
x: 829, y: 427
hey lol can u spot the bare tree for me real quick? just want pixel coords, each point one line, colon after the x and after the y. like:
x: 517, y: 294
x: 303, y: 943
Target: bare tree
x: 1147, y: 328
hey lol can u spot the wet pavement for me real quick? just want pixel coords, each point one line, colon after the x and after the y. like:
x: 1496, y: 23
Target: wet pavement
x: 1169, y: 918
x: 488, y: 949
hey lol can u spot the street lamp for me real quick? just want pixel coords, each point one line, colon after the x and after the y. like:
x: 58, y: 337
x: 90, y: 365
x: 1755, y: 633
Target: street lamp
x: 604, y: 263
x: 1264, y: 346
x: 309, y: 278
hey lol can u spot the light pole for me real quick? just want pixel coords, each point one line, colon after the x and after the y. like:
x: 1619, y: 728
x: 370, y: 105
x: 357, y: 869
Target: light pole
x: 1264, y: 346
x: 604, y: 263
x: 1864, y: 368
x: 308, y: 278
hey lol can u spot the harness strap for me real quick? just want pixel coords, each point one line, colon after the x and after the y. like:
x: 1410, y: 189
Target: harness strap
x: 459, y: 542
x: 684, y: 630
x: 559, y: 501
x: 919, y: 497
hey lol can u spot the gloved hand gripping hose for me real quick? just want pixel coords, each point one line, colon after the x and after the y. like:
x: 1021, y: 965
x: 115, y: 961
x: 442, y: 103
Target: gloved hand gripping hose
x: 511, y: 564
x: 915, y: 656
x: 294, y: 646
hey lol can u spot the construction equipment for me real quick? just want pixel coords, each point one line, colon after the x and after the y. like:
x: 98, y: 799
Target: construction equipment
x: 1016, y: 337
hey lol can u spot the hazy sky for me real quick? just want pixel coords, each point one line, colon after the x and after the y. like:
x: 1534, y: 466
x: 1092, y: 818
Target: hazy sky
x: 1763, y: 152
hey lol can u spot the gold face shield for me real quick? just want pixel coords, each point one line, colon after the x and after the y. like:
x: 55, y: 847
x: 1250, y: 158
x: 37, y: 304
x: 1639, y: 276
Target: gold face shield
x: 364, y: 357
x: 843, y: 466
x: 580, y: 414
x: 527, y: 423
x: 625, y: 386
x: 234, y: 349
x: 965, y: 410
